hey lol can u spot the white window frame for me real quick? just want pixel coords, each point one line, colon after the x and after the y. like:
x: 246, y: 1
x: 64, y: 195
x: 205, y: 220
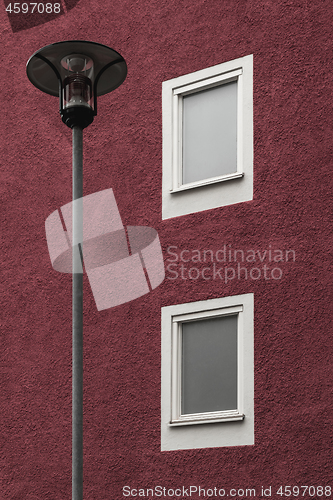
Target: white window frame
x: 216, y: 429
x: 181, y: 199
x: 176, y: 345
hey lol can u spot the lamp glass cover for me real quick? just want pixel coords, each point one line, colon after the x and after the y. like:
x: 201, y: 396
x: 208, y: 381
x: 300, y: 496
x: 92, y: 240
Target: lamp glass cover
x: 77, y: 82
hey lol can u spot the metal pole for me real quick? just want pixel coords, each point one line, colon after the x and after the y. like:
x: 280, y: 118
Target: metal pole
x: 77, y: 318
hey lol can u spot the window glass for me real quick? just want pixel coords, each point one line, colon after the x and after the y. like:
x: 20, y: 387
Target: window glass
x: 209, y: 365
x: 210, y: 133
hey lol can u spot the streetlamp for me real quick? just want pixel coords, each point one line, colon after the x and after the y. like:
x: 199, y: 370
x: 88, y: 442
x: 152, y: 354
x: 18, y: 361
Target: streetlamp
x: 77, y: 72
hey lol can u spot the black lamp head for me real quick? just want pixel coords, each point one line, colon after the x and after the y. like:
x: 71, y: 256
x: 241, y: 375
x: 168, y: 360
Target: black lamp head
x: 77, y: 71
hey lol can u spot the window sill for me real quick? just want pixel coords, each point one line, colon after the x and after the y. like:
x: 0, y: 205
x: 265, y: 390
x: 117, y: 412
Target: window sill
x: 204, y: 418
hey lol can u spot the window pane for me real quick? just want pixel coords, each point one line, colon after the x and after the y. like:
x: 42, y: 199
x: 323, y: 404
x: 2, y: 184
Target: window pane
x: 210, y: 133
x: 209, y: 365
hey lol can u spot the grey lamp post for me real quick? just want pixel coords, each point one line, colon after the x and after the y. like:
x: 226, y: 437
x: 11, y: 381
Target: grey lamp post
x: 77, y: 72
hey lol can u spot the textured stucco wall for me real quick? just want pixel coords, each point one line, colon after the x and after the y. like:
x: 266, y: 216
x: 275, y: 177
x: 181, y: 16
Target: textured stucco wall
x: 292, y: 46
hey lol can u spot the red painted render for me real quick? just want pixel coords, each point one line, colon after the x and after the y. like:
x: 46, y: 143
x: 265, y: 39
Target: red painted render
x: 291, y: 42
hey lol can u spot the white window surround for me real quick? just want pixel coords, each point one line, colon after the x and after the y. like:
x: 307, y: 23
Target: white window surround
x: 181, y: 199
x: 210, y: 429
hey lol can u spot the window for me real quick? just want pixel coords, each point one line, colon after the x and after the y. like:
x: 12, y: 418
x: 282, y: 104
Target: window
x: 207, y: 138
x: 204, y: 371
x: 207, y: 373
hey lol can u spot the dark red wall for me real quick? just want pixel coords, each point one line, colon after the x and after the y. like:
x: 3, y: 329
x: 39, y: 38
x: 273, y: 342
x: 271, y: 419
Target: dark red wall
x: 292, y: 209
